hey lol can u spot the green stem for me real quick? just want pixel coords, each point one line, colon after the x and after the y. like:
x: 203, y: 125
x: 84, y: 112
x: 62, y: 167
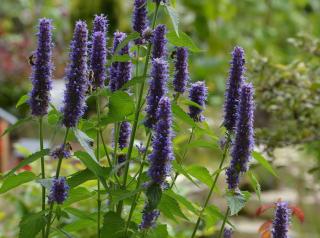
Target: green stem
x: 43, y: 175
x: 136, y: 197
x: 183, y: 156
x: 56, y: 176
x: 137, y: 112
x: 98, y: 159
x: 224, y: 222
x: 224, y: 155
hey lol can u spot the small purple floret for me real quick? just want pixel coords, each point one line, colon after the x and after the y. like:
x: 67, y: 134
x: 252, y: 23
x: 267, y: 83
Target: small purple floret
x: 63, y: 151
x: 149, y: 218
x: 59, y: 190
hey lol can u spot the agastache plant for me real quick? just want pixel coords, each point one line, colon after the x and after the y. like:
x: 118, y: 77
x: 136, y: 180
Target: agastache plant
x: 156, y: 116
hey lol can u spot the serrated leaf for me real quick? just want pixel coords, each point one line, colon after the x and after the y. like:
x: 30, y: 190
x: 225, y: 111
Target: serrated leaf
x: 33, y: 157
x: 183, y: 40
x: 160, y: 231
x: 200, y: 173
x: 182, y: 115
x: 31, y: 225
x: 236, y: 201
x: 76, y: 195
x: 170, y: 208
x: 121, y: 105
x: 92, y: 165
x: 182, y: 200
x: 260, y: 158
x: 154, y: 194
x: 14, y: 181
x: 85, y: 141
x: 113, y: 226
x: 174, y: 18
x: 22, y: 100
x: 16, y: 125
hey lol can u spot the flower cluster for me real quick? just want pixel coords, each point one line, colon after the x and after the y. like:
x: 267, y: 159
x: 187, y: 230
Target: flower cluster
x: 159, y: 42
x: 59, y: 190
x: 198, y: 94
x: 281, y: 221
x: 181, y: 76
x: 227, y: 233
x: 77, y: 76
x: 244, y: 137
x: 140, y: 19
x: 149, y: 218
x: 42, y: 70
x: 63, y: 151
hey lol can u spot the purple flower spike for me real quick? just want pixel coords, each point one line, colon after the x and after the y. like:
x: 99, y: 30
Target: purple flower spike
x: 157, y: 89
x: 149, y: 218
x: 159, y: 42
x: 244, y: 137
x: 59, y: 190
x: 227, y: 233
x: 198, y: 94
x: 140, y: 18
x: 181, y: 76
x: 100, y: 23
x: 162, y: 154
x: 63, y: 151
x: 233, y: 90
x: 98, y: 59
x: 124, y: 134
x: 42, y: 70
x: 77, y: 77
x: 281, y: 221
x: 120, y: 72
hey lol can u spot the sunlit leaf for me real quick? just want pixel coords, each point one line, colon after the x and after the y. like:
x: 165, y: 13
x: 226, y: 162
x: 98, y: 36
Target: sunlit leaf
x: 183, y: 40
x: 174, y: 18
x: 22, y: 100
x: 259, y: 157
x: 170, y: 208
x: 76, y: 195
x: 14, y: 181
x: 31, y: 225
x: 85, y: 141
x: 113, y: 226
x: 236, y: 201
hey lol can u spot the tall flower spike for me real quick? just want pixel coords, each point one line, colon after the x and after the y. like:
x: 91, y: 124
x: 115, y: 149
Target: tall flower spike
x: 42, y: 70
x: 120, y: 72
x: 281, y: 221
x: 98, y: 59
x: 77, y: 77
x: 198, y: 94
x: 140, y: 18
x: 227, y: 233
x: 162, y: 154
x: 157, y: 89
x: 100, y: 23
x: 159, y: 42
x: 233, y: 89
x: 59, y: 190
x: 244, y: 137
x: 181, y: 76
x: 149, y: 218
x: 124, y: 134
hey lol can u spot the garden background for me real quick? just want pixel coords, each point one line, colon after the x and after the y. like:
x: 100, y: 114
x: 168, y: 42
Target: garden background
x: 281, y: 41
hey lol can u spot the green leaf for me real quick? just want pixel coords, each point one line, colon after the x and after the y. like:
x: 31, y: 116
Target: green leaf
x: 260, y: 158
x: 22, y: 100
x: 170, y: 208
x: 183, y: 40
x: 200, y: 173
x: 182, y: 115
x: 190, y: 103
x: 133, y: 36
x: 80, y: 214
x: 174, y: 18
x: 31, y: 225
x: 84, y: 175
x: 85, y: 141
x: 154, y: 194
x: 213, y: 215
x: 255, y: 184
x: 46, y: 183
x: 92, y: 165
x: 79, y: 225
x: 182, y: 200
x: 113, y: 226
x: 54, y: 117
x: 119, y: 195
x: 16, y: 125
x: 203, y: 144
x: 121, y: 105
x: 179, y: 169
x: 76, y: 195
x: 121, y: 58
x: 159, y: 232
x: 33, y: 157
x: 14, y: 181
x: 236, y: 201
x: 133, y: 81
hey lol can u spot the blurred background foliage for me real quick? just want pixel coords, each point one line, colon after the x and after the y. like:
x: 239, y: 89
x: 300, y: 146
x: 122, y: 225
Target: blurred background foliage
x: 280, y: 37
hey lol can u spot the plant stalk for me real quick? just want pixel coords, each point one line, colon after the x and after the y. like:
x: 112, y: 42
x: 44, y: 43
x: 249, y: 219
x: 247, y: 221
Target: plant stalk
x: 224, y: 155
x: 98, y: 159
x: 43, y: 175
x: 224, y: 222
